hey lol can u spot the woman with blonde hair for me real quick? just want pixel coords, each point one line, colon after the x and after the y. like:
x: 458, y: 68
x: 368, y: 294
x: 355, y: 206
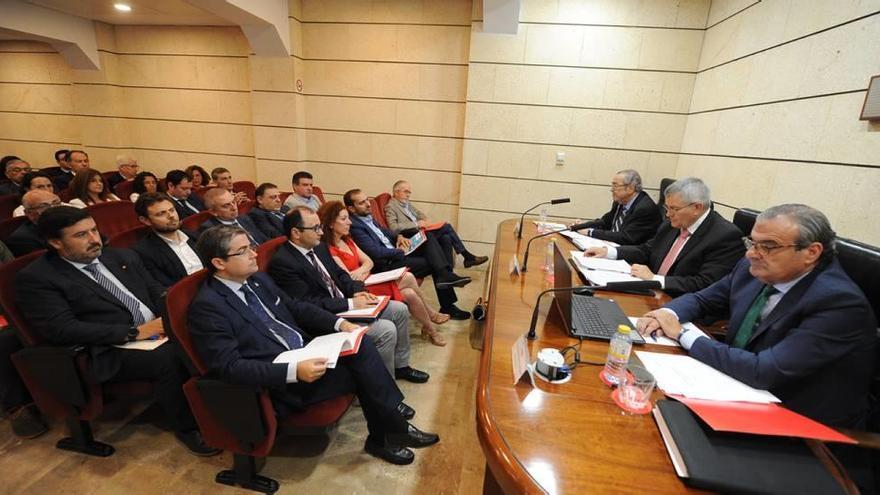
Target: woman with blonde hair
x: 89, y: 188
x: 336, y: 225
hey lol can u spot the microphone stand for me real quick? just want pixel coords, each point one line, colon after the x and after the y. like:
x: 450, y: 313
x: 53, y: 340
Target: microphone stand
x: 523, y: 216
x: 574, y: 227
x: 531, y: 335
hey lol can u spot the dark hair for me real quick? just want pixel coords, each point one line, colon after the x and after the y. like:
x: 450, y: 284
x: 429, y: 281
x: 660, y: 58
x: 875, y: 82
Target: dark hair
x: 214, y: 243
x: 146, y: 200
x: 302, y: 174
x: 30, y: 176
x: 261, y: 189
x: 217, y: 171
x: 138, y: 185
x: 294, y: 218
x: 5, y: 161
x: 58, y: 218
x: 175, y: 177
x: 60, y: 154
x: 71, y: 152
x: 80, y: 185
x: 328, y: 213
x: 206, y: 179
x: 346, y: 198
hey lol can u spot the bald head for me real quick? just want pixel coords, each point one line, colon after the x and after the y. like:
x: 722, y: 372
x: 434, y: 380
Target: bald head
x: 222, y: 204
x: 36, y: 201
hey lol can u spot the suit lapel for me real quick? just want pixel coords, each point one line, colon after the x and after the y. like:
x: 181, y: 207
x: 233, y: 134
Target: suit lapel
x: 82, y: 279
x: 785, y: 306
x: 243, y: 310
x: 167, y: 253
x: 317, y: 279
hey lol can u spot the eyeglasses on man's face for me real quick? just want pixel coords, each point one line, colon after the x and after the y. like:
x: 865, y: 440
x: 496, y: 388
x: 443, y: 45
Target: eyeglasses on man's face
x: 314, y: 228
x: 765, y: 248
x: 676, y: 209
x: 240, y: 252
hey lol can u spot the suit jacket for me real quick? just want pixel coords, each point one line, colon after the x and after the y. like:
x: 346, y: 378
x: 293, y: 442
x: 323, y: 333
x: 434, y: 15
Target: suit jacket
x: 245, y: 222
x: 709, y: 254
x: 8, y: 187
x: 236, y: 346
x: 25, y: 239
x: 65, y: 306
x: 298, y: 278
x: 60, y: 178
x: 183, y: 211
x: 369, y: 242
x: 114, y: 180
x: 815, y: 350
x: 395, y: 215
x: 639, y: 224
x: 270, y: 225
x: 160, y: 260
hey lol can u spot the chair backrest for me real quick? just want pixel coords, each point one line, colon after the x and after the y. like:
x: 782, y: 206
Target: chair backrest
x: 194, y: 221
x: 8, y: 226
x: 8, y: 204
x: 247, y: 187
x: 8, y: 271
x: 245, y: 207
x: 862, y: 263
x: 114, y: 217
x: 200, y: 193
x: 128, y: 238
x: 65, y: 195
x: 319, y: 193
x: 744, y: 218
x: 161, y: 185
x: 266, y: 250
x: 664, y: 183
x: 378, y: 213
x: 108, y: 174
x: 124, y: 189
x: 381, y: 201
x: 177, y: 302
x: 284, y: 195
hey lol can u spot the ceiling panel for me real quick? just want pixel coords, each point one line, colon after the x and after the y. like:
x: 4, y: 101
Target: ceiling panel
x: 157, y: 12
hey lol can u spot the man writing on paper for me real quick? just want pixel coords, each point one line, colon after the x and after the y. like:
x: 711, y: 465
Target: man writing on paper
x: 240, y: 321
x: 695, y: 248
x: 799, y: 327
x: 304, y: 269
x: 634, y: 216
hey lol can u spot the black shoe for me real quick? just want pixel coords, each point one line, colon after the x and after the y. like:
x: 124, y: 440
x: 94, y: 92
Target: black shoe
x: 27, y: 422
x: 413, y: 437
x: 194, y: 442
x: 472, y: 260
x: 405, y: 411
x: 455, y: 313
x: 395, y: 455
x: 452, y: 280
x: 411, y: 375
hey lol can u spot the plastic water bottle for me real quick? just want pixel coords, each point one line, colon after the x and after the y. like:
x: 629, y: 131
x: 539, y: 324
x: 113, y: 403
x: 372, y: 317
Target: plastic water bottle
x: 542, y: 221
x: 548, y: 256
x: 618, y: 355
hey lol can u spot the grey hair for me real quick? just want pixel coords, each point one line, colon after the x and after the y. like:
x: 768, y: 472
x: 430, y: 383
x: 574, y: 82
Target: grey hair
x: 124, y: 159
x: 692, y: 190
x: 631, y: 177
x: 813, y: 226
x: 214, y: 243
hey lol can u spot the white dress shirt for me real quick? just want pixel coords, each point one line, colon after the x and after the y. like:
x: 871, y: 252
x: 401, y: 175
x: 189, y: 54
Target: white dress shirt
x: 186, y: 255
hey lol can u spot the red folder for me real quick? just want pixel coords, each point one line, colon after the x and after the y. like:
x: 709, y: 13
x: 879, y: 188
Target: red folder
x: 355, y: 347
x: 372, y: 315
x: 434, y: 226
x: 760, y: 419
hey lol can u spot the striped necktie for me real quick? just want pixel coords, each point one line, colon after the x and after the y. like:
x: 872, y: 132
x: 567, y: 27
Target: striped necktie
x: 331, y: 286
x: 618, y: 222
x: 293, y: 338
x: 130, y: 303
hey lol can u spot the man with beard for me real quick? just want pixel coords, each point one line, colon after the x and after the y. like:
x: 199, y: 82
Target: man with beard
x: 168, y: 252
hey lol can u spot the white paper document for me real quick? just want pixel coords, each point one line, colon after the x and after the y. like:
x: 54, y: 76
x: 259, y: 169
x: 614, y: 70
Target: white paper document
x: 389, y: 276
x: 684, y: 375
x: 550, y: 226
x: 584, y: 241
x: 143, y: 345
x: 326, y: 346
x: 658, y: 340
x: 593, y: 263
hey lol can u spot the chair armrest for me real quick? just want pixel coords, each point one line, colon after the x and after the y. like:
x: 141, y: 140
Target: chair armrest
x: 54, y: 376
x: 239, y: 418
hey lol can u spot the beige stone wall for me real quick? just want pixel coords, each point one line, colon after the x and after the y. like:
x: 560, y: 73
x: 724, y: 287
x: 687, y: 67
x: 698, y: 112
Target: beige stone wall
x: 775, y: 109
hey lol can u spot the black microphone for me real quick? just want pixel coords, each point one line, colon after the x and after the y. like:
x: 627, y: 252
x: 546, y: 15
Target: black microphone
x: 586, y: 289
x: 577, y: 226
x: 551, y: 202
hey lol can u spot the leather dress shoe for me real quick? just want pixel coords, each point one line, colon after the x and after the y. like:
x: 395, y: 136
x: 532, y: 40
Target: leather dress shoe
x: 27, y: 422
x: 451, y: 281
x: 194, y: 442
x: 413, y: 437
x: 411, y: 375
x: 455, y: 313
x: 475, y: 260
x: 406, y: 411
x: 395, y: 455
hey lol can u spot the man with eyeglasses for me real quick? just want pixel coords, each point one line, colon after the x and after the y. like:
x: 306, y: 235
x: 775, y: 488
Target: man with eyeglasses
x: 694, y: 248
x: 305, y: 270
x: 26, y: 238
x: 15, y: 171
x: 128, y: 167
x: 633, y: 218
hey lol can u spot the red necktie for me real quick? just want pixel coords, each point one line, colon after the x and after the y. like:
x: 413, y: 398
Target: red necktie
x: 673, y: 252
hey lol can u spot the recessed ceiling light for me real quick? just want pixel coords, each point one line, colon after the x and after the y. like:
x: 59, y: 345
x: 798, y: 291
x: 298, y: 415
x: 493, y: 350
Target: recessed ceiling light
x: 122, y: 7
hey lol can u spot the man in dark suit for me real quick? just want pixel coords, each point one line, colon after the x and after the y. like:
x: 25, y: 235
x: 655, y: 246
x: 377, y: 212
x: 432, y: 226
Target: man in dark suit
x: 305, y: 270
x: 15, y: 171
x: 26, y: 238
x: 694, y: 249
x: 387, y: 252
x: 268, y: 215
x: 79, y: 293
x: 179, y: 187
x: 241, y: 321
x: 223, y: 206
x: 168, y: 252
x: 128, y: 168
x: 634, y: 216
x: 63, y: 173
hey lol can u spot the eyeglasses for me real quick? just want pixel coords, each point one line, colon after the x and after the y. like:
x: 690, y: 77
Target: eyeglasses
x: 765, y: 248
x: 314, y: 228
x: 244, y: 250
x: 617, y: 186
x: 675, y: 209
x: 16, y: 170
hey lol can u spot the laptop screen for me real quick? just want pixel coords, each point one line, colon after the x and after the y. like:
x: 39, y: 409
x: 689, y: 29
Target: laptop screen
x: 562, y: 279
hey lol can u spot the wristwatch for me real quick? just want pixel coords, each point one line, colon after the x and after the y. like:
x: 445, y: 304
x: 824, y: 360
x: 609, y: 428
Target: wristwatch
x: 132, y: 333
x: 684, y: 330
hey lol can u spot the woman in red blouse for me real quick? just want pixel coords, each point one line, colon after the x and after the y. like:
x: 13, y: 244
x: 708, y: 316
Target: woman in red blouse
x: 336, y: 225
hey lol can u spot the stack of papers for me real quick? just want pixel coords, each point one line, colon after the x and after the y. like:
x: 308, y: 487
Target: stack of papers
x: 329, y: 346
x: 583, y: 242
x: 550, y: 226
x: 389, y: 276
x: 590, y: 268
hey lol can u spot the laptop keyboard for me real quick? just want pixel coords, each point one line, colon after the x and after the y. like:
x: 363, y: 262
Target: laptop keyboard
x: 585, y: 311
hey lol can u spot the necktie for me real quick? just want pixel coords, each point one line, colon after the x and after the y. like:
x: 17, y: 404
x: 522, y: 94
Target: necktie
x: 278, y: 215
x: 331, y: 287
x: 249, y: 236
x: 130, y: 303
x: 618, y: 222
x: 291, y: 336
x: 673, y: 252
x: 750, y: 320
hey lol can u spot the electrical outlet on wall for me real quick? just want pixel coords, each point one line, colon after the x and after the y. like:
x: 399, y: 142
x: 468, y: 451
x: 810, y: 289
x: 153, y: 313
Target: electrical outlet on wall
x: 560, y: 158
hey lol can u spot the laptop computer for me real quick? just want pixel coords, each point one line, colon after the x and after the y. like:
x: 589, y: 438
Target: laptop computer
x: 586, y: 316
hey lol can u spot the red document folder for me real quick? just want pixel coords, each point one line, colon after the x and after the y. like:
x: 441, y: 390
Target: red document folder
x: 356, y: 345
x: 760, y: 419
x: 434, y: 226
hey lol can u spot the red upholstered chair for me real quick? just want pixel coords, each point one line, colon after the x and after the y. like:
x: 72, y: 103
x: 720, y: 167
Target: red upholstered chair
x: 378, y: 213
x: 65, y: 195
x: 319, y: 193
x: 128, y: 238
x: 381, y: 201
x: 283, y: 195
x: 107, y: 175
x: 194, y: 221
x: 245, y: 207
x: 247, y: 187
x: 114, y: 217
x: 59, y: 378
x: 8, y: 204
x: 8, y: 226
x: 266, y: 250
x: 124, y: 189
x: 238, y: 418
x: 161, y: 185
x: 201, y: 192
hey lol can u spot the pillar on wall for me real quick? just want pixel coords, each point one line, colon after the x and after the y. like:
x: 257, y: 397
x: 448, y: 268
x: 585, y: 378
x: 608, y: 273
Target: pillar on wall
x: 73, y: 37
x: 264, y: 22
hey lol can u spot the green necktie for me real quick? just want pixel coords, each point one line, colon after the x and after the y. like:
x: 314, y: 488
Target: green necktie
x: 753, y: 315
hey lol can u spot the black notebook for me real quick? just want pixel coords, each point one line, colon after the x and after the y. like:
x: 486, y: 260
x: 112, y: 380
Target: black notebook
x: 739, y: 463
